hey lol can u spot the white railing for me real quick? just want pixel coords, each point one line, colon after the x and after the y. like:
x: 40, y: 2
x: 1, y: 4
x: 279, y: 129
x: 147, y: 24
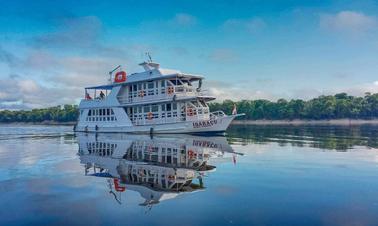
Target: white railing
x: 197, y: 114
x: 145, y: 121
x: 157, y: 94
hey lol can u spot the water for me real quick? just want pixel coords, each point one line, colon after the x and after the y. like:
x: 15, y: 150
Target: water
x: 255, y: 176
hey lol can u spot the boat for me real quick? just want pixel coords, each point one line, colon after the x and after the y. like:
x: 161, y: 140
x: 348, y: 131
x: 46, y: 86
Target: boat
x: 155, y: 100
x: 159, y: 168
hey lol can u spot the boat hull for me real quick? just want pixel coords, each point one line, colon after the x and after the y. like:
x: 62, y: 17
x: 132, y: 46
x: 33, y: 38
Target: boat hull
x: 217, y: 125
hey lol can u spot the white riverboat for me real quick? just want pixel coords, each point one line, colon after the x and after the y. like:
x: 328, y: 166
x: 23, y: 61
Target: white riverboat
x: 156, y: 100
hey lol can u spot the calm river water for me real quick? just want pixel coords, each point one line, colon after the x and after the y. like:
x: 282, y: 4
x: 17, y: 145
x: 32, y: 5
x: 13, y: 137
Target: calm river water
x: 256, y: 175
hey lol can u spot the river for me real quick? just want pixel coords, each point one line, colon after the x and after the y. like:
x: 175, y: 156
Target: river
x: 256, y: 175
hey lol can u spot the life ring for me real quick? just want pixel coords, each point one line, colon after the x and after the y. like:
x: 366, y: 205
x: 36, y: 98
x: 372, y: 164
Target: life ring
x: 149, y: 115
x: 120, y: 76
x: 170, y: 89
x: 171, y: 177
x: 190, y: 112
x: 142, y: 93
x: 117, y: 187
x: 191, y: 153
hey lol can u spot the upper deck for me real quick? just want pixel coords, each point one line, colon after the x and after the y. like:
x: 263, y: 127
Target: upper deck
x: 151, y: 73
x: 152, y: 85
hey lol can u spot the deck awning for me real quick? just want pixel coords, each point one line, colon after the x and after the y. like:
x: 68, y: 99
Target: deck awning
x: 132, y: 79
x: 106, y: 87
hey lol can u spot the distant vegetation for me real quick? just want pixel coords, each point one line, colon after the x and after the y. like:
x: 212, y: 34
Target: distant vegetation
x: 66, y: 113
x: 323, y: 107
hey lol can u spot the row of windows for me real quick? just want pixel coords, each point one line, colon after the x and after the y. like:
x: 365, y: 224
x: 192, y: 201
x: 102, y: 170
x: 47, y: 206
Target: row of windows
x: 155, y: 108
x: 152, y: 87
x: 101, y: 115
x: 101, y: 112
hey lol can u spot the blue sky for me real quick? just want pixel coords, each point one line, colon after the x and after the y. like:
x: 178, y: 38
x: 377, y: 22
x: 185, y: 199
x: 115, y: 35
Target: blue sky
x: 50, y: 50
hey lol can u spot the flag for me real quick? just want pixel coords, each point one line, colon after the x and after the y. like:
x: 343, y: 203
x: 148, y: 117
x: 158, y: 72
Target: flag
x: 234, y: 111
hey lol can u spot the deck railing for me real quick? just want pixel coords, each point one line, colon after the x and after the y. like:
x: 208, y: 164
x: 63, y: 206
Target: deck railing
x: 157, y: 94
x: 171, y: 117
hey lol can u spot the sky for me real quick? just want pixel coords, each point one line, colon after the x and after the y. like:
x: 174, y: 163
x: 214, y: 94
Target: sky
x: 51, y: 50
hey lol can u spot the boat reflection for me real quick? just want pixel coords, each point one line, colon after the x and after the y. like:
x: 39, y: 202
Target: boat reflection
x: 159, y: 167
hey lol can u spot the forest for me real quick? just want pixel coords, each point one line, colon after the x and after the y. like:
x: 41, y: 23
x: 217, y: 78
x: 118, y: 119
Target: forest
x: 337, y: 106
x: 323, y: 107
x: 66, y: 113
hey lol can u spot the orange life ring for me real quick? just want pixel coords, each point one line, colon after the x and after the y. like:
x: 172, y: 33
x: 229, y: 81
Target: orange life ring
x: 191, y: 154
x: 120, y: 77
x: 142, y: 93
x: 171, y: 177
x: 190, y: 111
x: 149, y: 115
x: 117, y: 187
x: 170, y: 89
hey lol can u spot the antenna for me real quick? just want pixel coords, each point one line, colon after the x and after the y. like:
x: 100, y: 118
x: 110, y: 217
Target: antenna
x: 149, y: 56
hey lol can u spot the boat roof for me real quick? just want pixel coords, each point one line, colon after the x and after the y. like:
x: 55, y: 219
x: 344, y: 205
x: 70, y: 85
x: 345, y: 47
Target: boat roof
x: 152, y: 72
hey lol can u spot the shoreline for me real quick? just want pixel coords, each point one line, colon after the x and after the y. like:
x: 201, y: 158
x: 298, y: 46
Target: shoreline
x: 337, y: 122
x: 340, y: 122
x: 45, y: 123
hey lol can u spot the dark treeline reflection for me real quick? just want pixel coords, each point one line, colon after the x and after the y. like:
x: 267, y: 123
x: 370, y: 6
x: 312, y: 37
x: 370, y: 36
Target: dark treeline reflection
x: 338, y: 138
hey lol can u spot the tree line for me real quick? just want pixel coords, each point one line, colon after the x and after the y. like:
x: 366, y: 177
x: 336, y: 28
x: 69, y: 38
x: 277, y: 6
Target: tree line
x: 337, y: 106
x: 323, y: 107
x: 66, y: 113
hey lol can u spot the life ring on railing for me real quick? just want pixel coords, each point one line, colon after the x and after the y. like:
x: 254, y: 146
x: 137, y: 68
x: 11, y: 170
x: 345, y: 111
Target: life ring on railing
x: 117, y: 187
x: 191, y: 154
x: 170, y: 89
x: 189, y: 111
x: 142, y: 93
x: 171, y: 177
x: 120, y: 76
x: 149, y: 115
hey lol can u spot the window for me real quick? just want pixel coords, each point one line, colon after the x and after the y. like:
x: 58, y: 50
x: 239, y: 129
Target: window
x: 174, y: 105
x: 112, y: 111
x: 168, y: 107
x: 108, y: 111
x: 150, y: 85
x: 89, y: 112
x: 155, y: 108
x: 146, y: 109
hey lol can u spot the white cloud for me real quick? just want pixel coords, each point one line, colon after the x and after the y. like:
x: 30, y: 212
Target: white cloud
x: 348, y: 21
x: 184, y: 19
x: 27, y: 86
x: 223, y: 55
x: 228, y: 91
x: 250, y: 25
